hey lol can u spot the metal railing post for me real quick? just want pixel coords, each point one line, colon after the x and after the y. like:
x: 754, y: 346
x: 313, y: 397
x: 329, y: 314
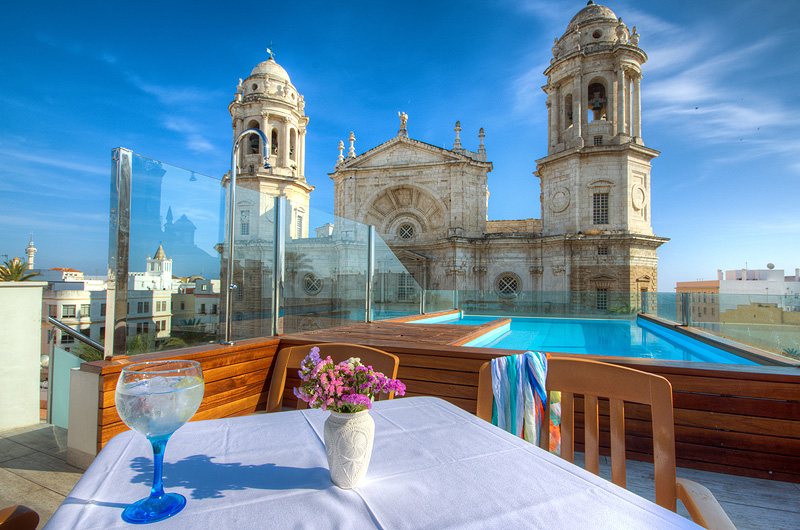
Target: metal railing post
x: 118, y: 253
x: 686, y: 317
x: 227, y: 337
x: 421, y: 301
x: 278, y: 264
x: 370, y: 273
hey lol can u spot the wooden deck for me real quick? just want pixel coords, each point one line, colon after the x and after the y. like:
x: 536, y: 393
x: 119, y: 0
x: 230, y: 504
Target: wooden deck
x: 396, y: 331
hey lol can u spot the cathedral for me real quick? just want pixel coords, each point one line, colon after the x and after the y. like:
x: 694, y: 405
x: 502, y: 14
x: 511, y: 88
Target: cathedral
x: 429, y: 203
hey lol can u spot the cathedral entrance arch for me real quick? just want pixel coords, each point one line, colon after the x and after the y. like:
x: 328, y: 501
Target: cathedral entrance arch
x: 404, y: 213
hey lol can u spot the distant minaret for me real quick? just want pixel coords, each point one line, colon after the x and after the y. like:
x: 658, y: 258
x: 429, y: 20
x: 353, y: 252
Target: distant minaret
x: 30, y: 251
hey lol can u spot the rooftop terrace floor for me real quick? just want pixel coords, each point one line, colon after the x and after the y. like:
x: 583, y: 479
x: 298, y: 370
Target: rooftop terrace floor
x: 33, y: 472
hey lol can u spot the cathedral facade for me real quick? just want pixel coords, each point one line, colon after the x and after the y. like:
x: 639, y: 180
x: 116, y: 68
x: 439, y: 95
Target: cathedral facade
x: 429, y: 203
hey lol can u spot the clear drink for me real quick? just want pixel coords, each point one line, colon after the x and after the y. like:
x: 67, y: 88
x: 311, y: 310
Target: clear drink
x: 158, y: 406
x: 155, y: 398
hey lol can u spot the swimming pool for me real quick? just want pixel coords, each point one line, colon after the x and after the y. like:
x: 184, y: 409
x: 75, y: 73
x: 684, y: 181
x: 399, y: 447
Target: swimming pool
x: 620, y: 338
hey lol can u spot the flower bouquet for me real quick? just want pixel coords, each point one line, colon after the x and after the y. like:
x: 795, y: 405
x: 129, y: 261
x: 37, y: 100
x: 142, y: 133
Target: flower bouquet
x: 345, y: 387
x: 346, y: 390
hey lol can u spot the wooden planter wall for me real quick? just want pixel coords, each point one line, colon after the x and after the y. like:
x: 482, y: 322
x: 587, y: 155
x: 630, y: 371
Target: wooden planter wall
x: 727, y: 419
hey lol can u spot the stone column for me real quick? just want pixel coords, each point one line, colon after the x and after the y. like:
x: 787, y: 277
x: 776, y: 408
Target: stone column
x: 629, y: 103
x: 621, y: 100
x: 577, y: 107
x: 301, y: 153
x: 265, y: 127
x: 637, y: 106
x: 551, y: 128
x: 285, y: 143
x: 558, y: 114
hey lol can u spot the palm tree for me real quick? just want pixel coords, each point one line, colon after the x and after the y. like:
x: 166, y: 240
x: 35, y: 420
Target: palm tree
x: 15, y: 270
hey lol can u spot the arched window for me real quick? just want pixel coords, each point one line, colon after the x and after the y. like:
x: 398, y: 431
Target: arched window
x: 568, y: 110
x: 597, y: 101
x: 293, y: 146
x: 253, y: 138
x: 274, y: 149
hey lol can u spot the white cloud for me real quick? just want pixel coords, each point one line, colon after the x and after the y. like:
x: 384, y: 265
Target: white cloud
x: 56, y: 161
x: 195, y: 141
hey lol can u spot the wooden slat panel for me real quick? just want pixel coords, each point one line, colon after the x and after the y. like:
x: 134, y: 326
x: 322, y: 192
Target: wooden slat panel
x: 788, y: 410
x: 439, y: 389
x: 220, y: 411
x: 442, y: 363
x: 713, y: 438
x: 211, y: 363
x: 733, y: 387
x: 213, y: 375
x: 438, y: 376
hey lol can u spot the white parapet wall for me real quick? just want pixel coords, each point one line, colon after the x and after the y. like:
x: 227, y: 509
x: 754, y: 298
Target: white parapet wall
x: 20, y: 336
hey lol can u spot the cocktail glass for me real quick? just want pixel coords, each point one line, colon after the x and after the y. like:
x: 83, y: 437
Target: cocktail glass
x: 155, y: 398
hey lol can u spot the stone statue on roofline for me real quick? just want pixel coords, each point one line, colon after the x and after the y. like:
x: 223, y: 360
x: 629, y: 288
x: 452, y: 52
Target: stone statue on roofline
x: 403, y: 124
x: 635, y: 37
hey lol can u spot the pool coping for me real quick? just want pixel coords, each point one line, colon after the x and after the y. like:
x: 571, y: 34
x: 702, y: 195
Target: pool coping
x: 762, y: 357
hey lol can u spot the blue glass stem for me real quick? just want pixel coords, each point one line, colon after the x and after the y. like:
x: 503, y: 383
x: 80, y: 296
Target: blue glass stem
x: 159, y: 445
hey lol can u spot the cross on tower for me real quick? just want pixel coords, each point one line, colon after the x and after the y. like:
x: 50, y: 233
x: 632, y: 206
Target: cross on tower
x: 269, y: 50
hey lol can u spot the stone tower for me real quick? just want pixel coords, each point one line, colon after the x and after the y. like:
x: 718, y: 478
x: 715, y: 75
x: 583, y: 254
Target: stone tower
x: 267, y: 100
x: 30, y: 251
x: 595, y: 179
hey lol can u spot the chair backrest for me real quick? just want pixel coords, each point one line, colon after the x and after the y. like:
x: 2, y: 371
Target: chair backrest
x: 18, y: 518
x: 618, y: 384
x: 290, y: 358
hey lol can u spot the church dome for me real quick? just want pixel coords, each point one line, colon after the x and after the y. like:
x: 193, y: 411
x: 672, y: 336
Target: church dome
x: 271, y: 68
x: 591, y: 13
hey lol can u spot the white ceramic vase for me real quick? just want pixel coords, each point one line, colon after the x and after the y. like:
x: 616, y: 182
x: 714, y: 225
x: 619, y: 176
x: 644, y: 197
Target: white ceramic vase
x: 348, y: 446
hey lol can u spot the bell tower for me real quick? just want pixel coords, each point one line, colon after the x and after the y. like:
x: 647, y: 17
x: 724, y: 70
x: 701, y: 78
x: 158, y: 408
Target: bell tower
x: 268, y: 101
x: 596, y: 175
x: 595, y: 179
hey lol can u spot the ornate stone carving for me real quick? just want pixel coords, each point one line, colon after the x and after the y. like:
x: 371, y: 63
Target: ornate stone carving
x: 558, y: 270
x: 537, y: 269
x: 638, y: 197
x: 560, y: 200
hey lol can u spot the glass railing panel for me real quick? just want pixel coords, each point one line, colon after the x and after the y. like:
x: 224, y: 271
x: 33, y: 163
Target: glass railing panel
x: 395, y: 291
x: 176, y: 227
x: 254, y: 247
x: 440, y: 300
x: 62, y: 364
x: 769, y: 322
x: 552, y: 304
x: 326, y: 270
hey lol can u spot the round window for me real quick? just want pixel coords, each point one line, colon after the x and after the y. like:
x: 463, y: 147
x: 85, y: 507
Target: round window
x: 508, y: 285
x: 254, y: 87
x: 312, y: 284
x: 406, y: 231
x: 597, y: 34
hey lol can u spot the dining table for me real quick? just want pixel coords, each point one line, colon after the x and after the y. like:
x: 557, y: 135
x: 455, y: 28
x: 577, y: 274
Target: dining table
x: 433, y: 466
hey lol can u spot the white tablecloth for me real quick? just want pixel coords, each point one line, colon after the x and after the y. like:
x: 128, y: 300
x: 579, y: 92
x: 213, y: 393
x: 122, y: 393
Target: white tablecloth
x: 433, y: 466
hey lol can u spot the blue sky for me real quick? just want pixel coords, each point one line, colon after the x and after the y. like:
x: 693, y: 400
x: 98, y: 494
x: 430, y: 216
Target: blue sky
x: 719, y: 101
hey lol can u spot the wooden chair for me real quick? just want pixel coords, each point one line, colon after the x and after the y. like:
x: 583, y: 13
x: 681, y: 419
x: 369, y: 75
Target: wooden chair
x: 18, y: 518
x: 291, y: 357
x: 619, y: 385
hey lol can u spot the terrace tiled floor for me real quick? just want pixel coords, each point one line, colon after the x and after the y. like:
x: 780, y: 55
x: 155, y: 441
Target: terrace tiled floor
x: 33, y: 472
x: 33, y: 469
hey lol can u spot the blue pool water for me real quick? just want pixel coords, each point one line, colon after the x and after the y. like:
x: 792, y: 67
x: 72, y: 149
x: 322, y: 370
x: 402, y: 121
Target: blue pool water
x: 621, y: 338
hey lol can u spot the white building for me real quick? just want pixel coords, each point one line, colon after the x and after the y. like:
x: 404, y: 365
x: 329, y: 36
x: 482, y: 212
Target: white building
x: 157, y: 276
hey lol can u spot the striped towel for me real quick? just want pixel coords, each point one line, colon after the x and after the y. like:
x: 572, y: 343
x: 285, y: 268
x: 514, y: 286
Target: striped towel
x: 519, y: 394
